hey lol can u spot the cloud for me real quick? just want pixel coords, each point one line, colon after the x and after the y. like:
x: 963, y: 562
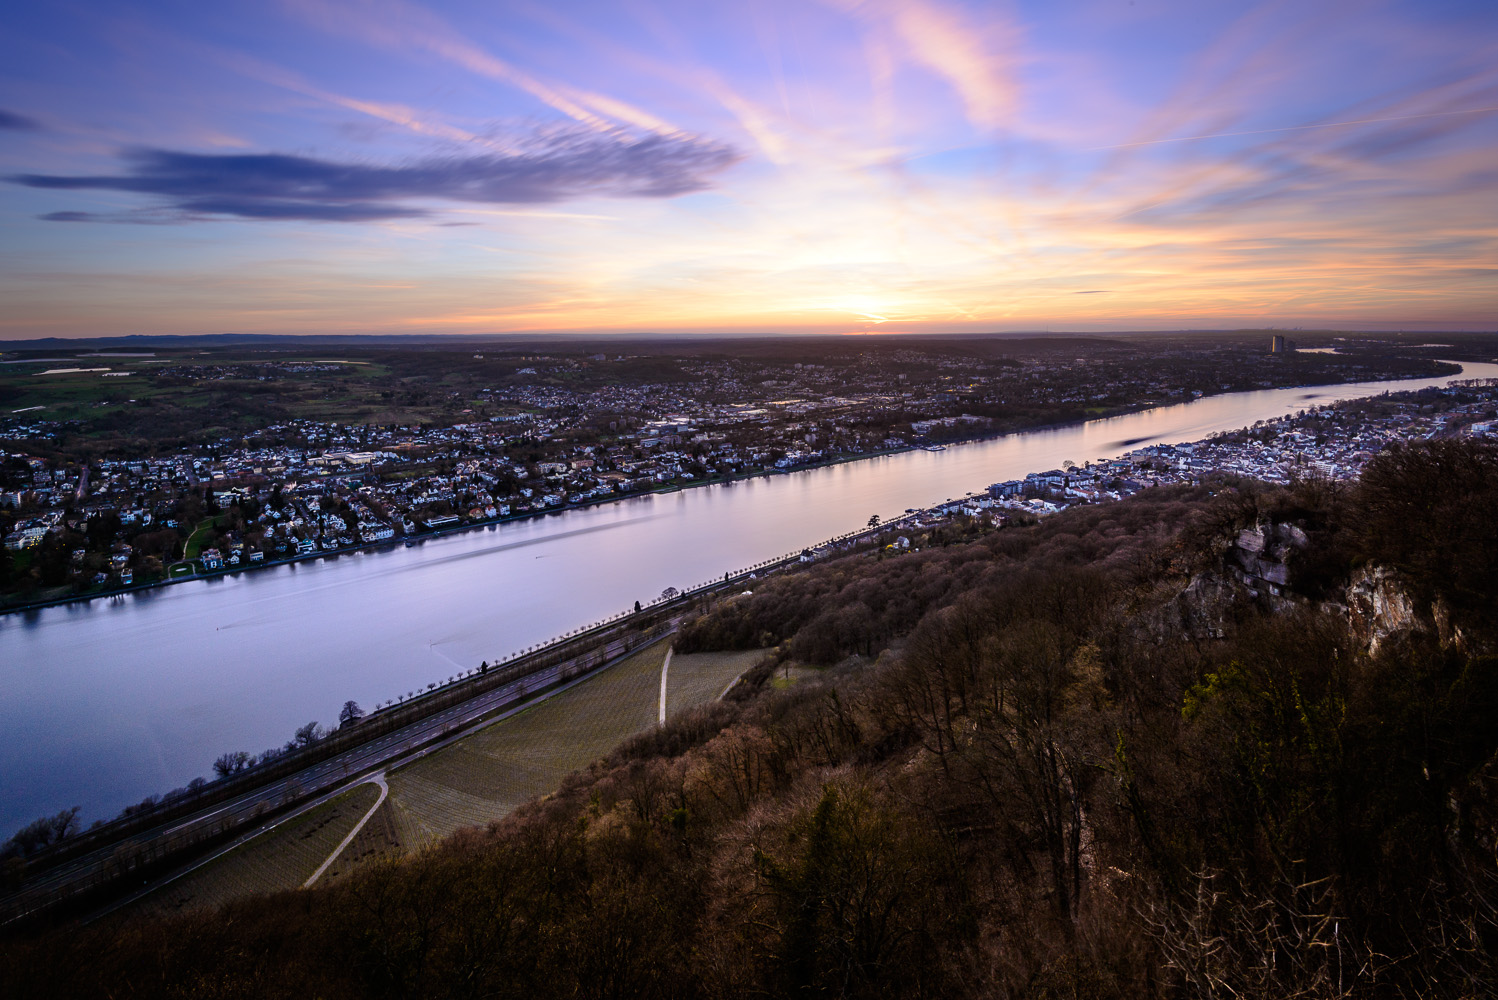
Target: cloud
x: 1426, y: 133
x: 396, y: 25
x: 18, y: 123
x: 975, y: 56
x: 971, y: 56
x: 553, y: 166
x: 141, y: 217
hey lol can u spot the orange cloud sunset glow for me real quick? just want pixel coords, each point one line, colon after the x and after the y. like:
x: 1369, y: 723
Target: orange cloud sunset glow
x: 357, y: 166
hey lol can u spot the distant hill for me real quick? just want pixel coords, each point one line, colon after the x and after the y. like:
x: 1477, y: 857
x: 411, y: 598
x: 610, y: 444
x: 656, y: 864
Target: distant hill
x: 1011, y: 340
x: 688, y: 343
x: 752, y: 343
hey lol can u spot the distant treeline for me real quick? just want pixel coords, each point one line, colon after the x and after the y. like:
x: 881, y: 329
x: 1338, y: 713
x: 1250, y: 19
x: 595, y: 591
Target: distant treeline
x: 1076, y: 759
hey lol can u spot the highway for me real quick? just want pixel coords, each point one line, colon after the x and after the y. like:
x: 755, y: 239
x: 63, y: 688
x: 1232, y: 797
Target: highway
x: 234, y: 820
x: 309, y: 786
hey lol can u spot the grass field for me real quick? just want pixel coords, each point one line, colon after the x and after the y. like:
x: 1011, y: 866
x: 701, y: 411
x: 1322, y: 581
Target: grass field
x: 279, y: 859
x: 194, y: 544
x: 387, y: 832
x: 790, y: 673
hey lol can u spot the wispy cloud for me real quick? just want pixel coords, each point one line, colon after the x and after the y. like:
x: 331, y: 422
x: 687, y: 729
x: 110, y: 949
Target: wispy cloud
x: 393, y: 24
x: 1302, y: 128
x: 975, y: 56
x: 557, y: 166
x: 936, y: 164
x: 18, y: 123
x: 395, y: 114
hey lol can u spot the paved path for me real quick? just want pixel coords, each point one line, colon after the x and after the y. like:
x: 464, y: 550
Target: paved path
x: 328, y: 777
x: 664, y: 667
x: 385, y: 755
x: 378, y: 779
x: 724, y: 693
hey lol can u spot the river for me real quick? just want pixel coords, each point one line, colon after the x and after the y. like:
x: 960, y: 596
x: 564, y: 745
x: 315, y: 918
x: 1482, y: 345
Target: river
x: 105, y: 702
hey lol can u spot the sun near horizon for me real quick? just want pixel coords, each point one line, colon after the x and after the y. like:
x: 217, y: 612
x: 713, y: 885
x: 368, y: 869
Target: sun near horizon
x: 384, y: 166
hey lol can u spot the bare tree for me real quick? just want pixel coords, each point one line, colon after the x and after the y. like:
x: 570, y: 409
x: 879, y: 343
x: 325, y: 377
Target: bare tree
x: 231, y: 763
x: 349, y: 714
x: 41, y: 833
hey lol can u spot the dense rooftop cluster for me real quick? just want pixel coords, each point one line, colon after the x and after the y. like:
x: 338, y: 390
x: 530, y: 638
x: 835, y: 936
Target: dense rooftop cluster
x: 548, y: 432
x: 1334, y: 442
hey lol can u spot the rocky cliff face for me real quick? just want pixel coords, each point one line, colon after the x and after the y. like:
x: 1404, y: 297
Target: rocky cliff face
x: 1375, y: 601
x: 1201, y: 610
x: 1261, y: 554
x: 1377, y: 606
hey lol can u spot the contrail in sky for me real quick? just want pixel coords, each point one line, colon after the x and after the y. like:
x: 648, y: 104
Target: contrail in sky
x: 1294, y: 128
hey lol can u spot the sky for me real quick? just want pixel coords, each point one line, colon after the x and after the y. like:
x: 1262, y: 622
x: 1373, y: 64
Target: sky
x: 755, y: 166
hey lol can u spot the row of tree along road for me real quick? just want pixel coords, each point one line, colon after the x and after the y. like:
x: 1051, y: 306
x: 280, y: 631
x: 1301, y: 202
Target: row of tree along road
x: 50, y: 864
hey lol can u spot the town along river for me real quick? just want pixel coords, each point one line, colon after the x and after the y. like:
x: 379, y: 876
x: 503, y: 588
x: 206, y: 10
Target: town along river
x: 105, y: 702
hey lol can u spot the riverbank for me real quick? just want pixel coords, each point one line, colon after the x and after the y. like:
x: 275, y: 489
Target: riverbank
x: 9, y: 605
x: 85, y: 869
x: 1346, y: 439
x: 123, y: 698
x: 399, y: 541
x: 191, y: 821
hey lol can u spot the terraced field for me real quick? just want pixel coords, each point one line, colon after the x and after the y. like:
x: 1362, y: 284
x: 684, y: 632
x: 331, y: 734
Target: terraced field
x: 470, y: 783
x: 488, y: 774
x: 700, y: 677
x: 281, y: 858
x: 386, y: 833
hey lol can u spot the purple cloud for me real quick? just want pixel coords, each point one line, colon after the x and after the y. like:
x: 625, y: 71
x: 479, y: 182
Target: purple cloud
x: 273, y: 186
x: 18, y: 123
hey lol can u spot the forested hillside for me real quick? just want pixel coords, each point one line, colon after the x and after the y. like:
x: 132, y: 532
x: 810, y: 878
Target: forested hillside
x: 1228, y: 741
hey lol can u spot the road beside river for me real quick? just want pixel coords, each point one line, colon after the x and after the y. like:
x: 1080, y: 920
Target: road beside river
x: 105, y: 702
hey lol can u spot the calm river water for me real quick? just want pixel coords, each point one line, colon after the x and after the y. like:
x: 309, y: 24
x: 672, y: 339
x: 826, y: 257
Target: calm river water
x: 103, y: 703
